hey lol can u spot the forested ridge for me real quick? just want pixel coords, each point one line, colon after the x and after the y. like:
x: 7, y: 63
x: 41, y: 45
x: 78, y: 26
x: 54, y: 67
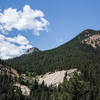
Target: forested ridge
x: 76, y: 88
x: 73, y: 54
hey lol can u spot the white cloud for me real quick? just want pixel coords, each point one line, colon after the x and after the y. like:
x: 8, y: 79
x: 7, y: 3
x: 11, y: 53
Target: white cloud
x: 9, y: 49
x: 27, y: 19
x: 19, y: 40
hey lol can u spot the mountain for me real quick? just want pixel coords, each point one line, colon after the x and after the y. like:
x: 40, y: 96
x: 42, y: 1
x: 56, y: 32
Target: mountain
x: 31, y: 50
x: 82, y: 52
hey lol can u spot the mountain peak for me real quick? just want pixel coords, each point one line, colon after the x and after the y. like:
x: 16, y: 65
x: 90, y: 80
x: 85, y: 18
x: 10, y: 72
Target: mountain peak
x: 31, y: 50
x: 88, y: 30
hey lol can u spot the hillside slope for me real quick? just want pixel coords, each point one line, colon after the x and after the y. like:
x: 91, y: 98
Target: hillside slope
x: 82, y: 52
x: 73, y: 54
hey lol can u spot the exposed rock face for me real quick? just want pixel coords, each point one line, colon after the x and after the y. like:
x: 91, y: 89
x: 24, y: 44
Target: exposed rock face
x: 8, y: 70
x: 25, y: 90
x: 15, y: 72
x: 93, y: 40
x: 56, y: 78
x: 4, y: 68
x: 31, y: 50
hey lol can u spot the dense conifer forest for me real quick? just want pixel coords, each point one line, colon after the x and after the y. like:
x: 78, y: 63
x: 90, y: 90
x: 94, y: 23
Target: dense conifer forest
x: 73, y: 54
x: 77, y: 88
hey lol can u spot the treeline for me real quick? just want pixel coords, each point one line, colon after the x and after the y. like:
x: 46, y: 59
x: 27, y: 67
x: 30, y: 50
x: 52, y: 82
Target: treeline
x: 74, y: 89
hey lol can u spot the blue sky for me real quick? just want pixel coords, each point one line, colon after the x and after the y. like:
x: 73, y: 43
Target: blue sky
x: 67, y: 18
